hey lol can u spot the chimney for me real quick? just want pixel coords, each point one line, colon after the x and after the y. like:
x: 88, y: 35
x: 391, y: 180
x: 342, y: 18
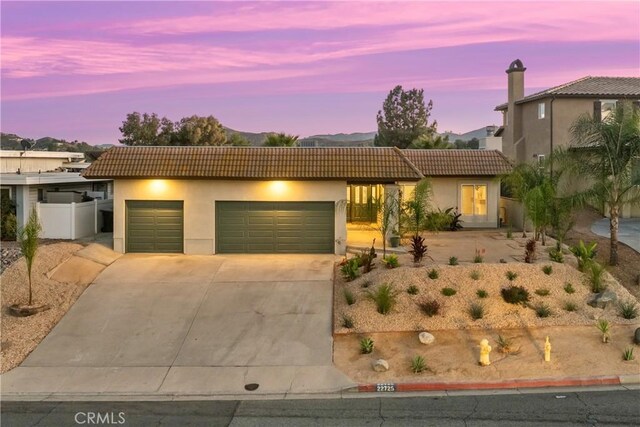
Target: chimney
x: 513, y: 129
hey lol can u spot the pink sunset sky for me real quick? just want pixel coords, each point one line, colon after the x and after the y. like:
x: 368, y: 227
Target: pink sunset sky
x: 74, y: 70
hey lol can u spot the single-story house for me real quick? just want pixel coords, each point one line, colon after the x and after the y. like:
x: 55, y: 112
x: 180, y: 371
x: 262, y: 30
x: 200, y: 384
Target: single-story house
x: 206, y: 200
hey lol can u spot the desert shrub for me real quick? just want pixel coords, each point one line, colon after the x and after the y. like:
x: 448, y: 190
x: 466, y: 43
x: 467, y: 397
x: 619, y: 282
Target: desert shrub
x: 543, y: 292
x: 479, y: 256
x: 506, y: 345
x: 530, y: 251
x: 542, y: 310
x: 438, y: 220
x: 385, y: 297
x: 584, y: 253
x: 418, y: 364
x: 366, y: 284
x: 391, y: 261
x: 627, y: 354
x: 366, y: 257
x: 570, y: 306
x: 413, y: 290
x: 515, y: 294
x: 511, y: 275
x: 448, y: 292
x: 475, y: 274
x: 595, y: 274
x: 433, y: 274
x: 605, y: 328
x: 547, y: 269
x: 453, y: 260
x: 476, y: 311
x: 556, y: 255
x: 347, y: 321
x: 628, y: 309
x: 366, y: 345
x: 568, y: 288
x: 349, y: 297
x: 351, y: 269
x: 418, y: 248
x: 481, y: 293
x: 429, y: 307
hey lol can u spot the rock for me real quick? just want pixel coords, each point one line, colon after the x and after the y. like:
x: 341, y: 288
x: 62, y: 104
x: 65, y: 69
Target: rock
x: 381, y: 365
x: 426, y: 338
x: 503, y: 261
x: 8, y: 256
x: 636, y: 336
x: 602, y: 299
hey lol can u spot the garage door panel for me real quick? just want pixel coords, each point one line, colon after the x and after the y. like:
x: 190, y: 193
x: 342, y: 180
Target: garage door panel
x: 154, y: 226
x: 282, y: 227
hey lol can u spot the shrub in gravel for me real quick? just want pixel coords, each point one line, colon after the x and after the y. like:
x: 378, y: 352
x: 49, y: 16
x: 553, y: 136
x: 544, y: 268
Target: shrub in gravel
x: 627, y: 354
x: 429, y: 307
x: 543, y: 292
x: 547, y: 269
x: 481, y: 293
x: 391, y: 261
x: 347, y: 321
x: 476, y: 311
x: 453, y: 260
x: 542, y: 310
x: 418, y: 364
x: 511, y: 275
x: 570, y: 306
x: 385, y: 297
x: 506, y: 345
x: 349, y: 297
x: 556, y: 255
x: 530, y: 251
x: 628, y: 309
x: 475, y: 275
x: 448, y: 292
x: 351, y: 269
x: 568, y: 288
x: 433, y: 274
x: 515, y: 294
x: 413, y: 290
x: 366, y: 345
x: 595, y: 273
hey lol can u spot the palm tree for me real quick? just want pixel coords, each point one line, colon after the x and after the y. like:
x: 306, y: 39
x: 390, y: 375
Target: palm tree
x: 431, y: 142
x: 602, y: 157
x: 415, y: 209
x: 520, y: 181
x: 281, y: 140
x: 28, y: 239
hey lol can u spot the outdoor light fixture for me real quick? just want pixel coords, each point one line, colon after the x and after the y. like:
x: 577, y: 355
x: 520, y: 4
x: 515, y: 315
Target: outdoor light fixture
x: 158, y: 185
x: 278, y: 187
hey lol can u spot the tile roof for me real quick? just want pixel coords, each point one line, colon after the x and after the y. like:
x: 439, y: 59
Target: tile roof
x: 615, y: 87
x: 360, y: 163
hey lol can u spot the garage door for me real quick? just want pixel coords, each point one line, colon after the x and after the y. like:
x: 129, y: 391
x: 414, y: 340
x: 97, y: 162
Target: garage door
x: 154, y: 226
x: 275, y: 227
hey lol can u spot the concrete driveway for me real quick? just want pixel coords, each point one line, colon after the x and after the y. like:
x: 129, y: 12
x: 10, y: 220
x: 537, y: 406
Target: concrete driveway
x: 195, y: 324
x: 628, y: 231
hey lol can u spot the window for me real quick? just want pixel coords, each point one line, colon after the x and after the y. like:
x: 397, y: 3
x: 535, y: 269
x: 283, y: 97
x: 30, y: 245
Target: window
x: 603, y: 108
x: 474, y: 199
x: 40, y: 194
x: 5, y: 192
x: 541, y: 110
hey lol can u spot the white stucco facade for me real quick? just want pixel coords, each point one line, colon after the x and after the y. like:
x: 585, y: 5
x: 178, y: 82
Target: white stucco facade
x: 199, y: 197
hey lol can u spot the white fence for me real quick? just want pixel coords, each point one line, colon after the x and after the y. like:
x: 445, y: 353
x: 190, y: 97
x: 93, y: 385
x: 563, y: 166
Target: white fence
x: 72, y: 220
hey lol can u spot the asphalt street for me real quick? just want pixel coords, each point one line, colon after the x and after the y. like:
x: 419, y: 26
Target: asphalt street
x: 535, y: 409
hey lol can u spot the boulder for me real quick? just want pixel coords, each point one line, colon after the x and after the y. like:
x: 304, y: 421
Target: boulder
x: 381, y: 365
x: 636, y: 336
x: 426, y: 338
x: 602, y: 299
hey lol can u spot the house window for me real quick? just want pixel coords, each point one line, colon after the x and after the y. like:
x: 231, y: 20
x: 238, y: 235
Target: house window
x: 40, y: 194
x: 5, y: 192
x: 603, y: 108
x: 541, y: 110
x: 474, y: 199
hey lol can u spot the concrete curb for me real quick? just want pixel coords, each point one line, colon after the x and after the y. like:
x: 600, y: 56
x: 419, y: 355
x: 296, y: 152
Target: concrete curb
x: 497, y: 385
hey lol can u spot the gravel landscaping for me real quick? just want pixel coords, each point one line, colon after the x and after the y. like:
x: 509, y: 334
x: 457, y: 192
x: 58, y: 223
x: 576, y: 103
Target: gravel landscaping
x: 406, y: 315
x: 20, y: 335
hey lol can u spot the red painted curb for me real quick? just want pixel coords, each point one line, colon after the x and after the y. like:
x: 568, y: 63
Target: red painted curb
x: 510, y: 384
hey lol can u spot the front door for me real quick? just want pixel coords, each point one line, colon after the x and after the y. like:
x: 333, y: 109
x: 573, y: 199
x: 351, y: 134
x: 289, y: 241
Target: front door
x: 362, y: 203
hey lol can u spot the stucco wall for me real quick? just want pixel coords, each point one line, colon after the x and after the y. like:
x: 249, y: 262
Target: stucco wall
x: 199, y: 207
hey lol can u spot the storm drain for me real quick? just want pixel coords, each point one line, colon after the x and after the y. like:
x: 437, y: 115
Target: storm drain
x: 251, y: 387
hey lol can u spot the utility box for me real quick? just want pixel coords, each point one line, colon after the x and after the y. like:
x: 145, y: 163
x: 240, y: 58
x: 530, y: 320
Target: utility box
x: 64, y: 197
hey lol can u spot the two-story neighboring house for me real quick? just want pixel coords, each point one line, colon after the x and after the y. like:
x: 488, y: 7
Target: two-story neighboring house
x: 536, y: 124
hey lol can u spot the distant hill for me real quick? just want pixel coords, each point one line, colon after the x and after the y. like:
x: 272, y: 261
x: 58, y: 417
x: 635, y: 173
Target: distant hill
x: 10, y: 141
x: 356, y: 136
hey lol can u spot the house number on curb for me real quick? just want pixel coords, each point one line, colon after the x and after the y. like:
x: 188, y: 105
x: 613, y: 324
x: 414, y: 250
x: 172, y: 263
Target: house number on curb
x: 385, y: 387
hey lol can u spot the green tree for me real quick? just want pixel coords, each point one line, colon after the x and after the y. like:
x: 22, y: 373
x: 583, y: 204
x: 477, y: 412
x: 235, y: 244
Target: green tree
x: 431, y: 141
x: 146, y: 129
x: 404, y: 118
x: 415, y: 210
x: 28, y: 238
x: 196, y: 130
x: 602, y: 157
x: 238, y: 140
x: 281, y: 140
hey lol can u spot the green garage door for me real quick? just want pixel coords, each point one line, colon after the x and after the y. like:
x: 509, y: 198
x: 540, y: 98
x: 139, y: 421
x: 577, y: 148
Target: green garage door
x: 154, y: 226
x: 275, y: 227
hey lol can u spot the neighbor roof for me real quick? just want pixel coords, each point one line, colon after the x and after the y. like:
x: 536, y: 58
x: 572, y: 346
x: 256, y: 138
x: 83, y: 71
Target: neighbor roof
x: 588, y: 87
x: 254, y: 163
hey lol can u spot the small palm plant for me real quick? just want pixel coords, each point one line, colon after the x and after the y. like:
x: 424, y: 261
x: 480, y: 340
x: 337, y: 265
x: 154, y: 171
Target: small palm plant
x: 366, y: 345
x: 418, y: 364
x: 604, y: 328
